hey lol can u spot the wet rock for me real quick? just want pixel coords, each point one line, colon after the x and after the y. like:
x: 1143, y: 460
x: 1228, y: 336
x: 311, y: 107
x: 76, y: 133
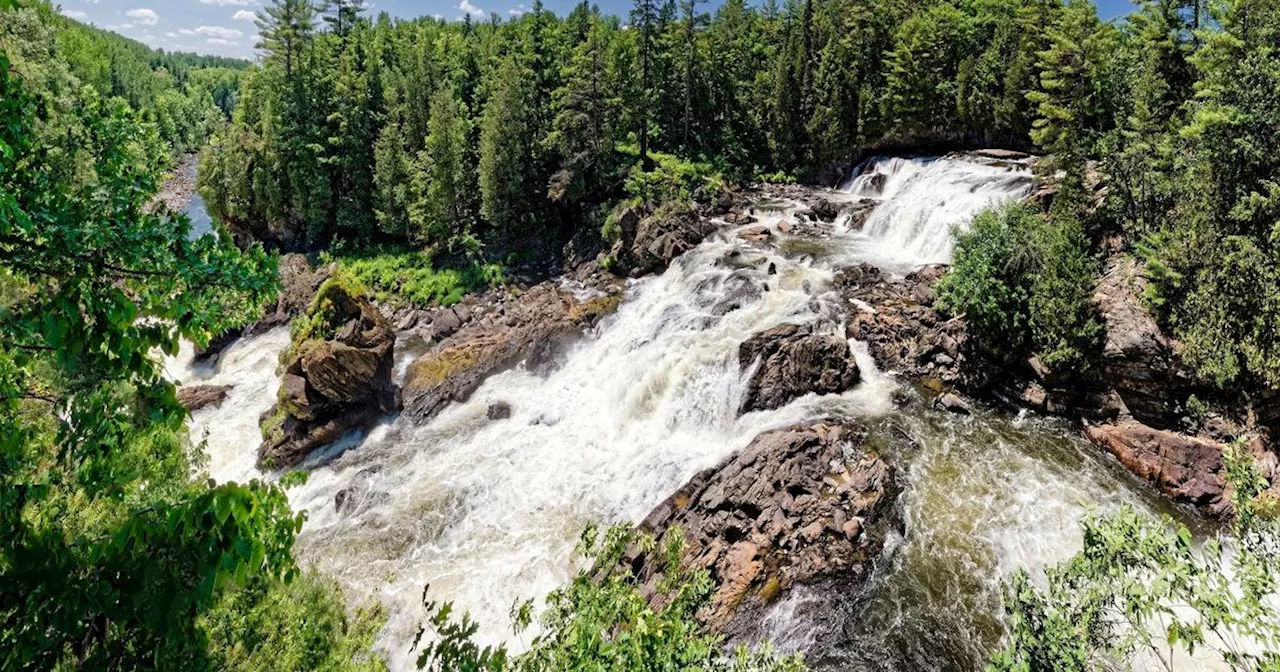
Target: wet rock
x: 824, y: 210
x: 797, y: 505
x: 445, y: 323
x: 793, y: 361
x: 409, y: 321
x: 359, y: 495
x: 499, y: 411
x: 535, y: 324
x: 196, y: 397
x: 739, y: 219
x: 1187, y: 469
x: 755, y: 234
x: 952, y: 402
x: 337, y: 379
x: 858, y: 213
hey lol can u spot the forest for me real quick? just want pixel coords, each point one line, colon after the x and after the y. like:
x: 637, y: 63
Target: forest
x: 437, y: 157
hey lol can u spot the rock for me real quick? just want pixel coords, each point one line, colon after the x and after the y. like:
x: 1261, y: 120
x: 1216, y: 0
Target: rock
x: 1187, y: 469
x: 1138, y: 361
x: 858, y: 213
x: 409, y: 321
x: 359, y: 495
x: 739, y: 219
x: 196, y: 397
x: 950, y: 401
x: 536, y: 323
x: 793, y: 360
x: 499, y: 411
x: 445, y: 323
x: 784, y: 226
x: 337, y: 379
x: 1003, y: 154
x: 796, y: 506
x: 755, y: 234
x: 824, y: 211
x: 649, y: 244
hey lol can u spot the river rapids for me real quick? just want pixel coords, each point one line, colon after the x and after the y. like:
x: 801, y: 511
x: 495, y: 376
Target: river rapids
x: 487, y: 512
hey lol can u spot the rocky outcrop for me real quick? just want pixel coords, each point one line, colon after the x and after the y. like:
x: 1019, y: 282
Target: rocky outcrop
x: 648, y: 242
x: 1139, y: 361
x: 797, y: 505
x: 337, y: 377
x: 535, y: 324
x: 196, y: 397
x: 298, y: 285
x: 1187, y: 469
x: 897, y: 320
x: 793, y: 360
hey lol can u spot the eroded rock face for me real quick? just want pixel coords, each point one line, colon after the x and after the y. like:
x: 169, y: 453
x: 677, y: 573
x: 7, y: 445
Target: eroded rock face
x: 534, y: 324
x: 196, y: 397
x: 797, y: 505
x: 335, y: 381
x: 794, y: 360
x: 1187, y: 469
x: 1139, y: 361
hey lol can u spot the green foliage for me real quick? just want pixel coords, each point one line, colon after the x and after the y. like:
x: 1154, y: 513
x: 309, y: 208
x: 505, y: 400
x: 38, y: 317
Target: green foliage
x: 1023, y: 282
x: 409, y: 276
x: 245, y: 633
x: 1141, y: 586
x: 602, y: 620
x: 674, y: 179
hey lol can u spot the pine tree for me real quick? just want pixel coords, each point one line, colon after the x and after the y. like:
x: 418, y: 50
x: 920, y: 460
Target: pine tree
x: 508, y: 172
x: 438, y: 214
x: 284, y: 28
x: 644, y: 20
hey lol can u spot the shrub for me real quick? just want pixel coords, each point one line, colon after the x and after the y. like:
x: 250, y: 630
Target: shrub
x: 1023, y: 283
x: 603, y: 621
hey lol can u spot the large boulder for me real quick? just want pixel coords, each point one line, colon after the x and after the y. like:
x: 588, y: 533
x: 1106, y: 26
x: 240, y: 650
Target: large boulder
x: 337, y: 376
x: 298, y: 285
x: 533, y: 325
x: 793, y: 360
x: 1187, y: 469
x: 1139, y: 361
x: 798, y: 505
x: 649, y: 242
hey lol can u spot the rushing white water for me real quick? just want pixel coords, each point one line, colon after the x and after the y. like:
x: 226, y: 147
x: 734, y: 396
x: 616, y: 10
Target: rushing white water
x: 923, y: 199
x: 487, y: 512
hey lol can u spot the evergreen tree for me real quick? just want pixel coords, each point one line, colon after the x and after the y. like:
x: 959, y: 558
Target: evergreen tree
x: 438, y: 214
x: 508, y: 171
x: 285, y: 27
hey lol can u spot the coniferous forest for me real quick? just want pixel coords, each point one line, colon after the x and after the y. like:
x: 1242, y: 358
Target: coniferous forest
x: 430, y: 159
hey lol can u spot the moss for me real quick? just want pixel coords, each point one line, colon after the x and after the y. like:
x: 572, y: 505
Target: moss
x: 435, y: 369
x: 593, y: 309
x: 272, y: 426
x: 770, y: 590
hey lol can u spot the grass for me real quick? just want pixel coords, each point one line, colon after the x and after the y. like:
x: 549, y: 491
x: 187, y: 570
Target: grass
x: 410, y: 277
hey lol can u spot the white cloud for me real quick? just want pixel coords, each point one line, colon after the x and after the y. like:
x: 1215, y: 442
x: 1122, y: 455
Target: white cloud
x: 218, y: 40
x: 118, y: 26
x: 146, y: 17
x: 213, y: 31
x: 437, y: 17
x: 517, y: 10
x: 244, y: 15
x: 170, y: 34
x: 469, y: 8
x: 75, y: 14
x: 224, y: 3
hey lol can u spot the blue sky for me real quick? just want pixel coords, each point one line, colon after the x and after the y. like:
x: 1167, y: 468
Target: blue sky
x: 226, y: 27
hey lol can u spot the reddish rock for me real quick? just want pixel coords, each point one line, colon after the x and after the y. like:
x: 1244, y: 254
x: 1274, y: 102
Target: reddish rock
x: 1187, y: 469
x: 797, y: 505
x: 791, y: 361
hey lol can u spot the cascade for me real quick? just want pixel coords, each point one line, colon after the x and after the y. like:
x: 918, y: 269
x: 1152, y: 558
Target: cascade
x: 487, y: 511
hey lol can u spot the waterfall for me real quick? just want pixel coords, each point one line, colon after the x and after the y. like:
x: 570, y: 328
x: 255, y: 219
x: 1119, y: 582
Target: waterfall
x: 487, y: 511
x: 921, y: 201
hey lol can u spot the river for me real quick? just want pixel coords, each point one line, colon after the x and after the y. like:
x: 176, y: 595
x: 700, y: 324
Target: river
x: 487, y: 512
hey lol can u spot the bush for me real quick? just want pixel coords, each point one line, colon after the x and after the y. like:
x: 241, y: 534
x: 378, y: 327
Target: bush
x: 603, y: 621
x: 674, y: 179
x: 1023, y: 283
